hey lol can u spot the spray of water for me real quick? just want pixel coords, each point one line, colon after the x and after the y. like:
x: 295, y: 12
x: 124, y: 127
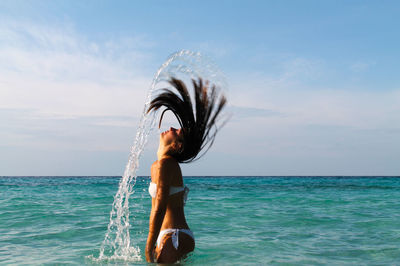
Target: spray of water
x: 184, y: 65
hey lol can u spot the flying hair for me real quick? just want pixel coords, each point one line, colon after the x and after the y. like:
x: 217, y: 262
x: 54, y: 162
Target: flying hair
x: 198, y: 125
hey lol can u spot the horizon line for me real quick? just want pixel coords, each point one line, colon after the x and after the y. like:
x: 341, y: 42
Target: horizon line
x: 118, y: 176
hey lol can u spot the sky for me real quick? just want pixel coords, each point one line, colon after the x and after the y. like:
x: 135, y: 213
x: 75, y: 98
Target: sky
x: 314, y: 86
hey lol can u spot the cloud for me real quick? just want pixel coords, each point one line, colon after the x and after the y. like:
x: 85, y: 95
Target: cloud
x: 240, y: 112
x: 61, y: 91
x: 299, y: 94
x: 57, y: 71
x: 297, y: 122
x: 30, y: 129
x: 359, y: 67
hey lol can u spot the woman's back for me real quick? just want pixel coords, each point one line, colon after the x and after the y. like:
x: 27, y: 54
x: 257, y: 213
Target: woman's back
x: 174, y: 215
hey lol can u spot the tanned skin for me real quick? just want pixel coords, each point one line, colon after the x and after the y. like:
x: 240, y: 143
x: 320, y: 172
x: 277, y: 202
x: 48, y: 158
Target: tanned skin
x: 167, y: 210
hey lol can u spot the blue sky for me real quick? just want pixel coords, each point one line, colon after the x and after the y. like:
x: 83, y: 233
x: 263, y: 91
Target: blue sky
x: 314, y: 85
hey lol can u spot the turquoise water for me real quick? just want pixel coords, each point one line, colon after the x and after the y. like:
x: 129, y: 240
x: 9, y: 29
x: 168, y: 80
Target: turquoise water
x: 236, y: 220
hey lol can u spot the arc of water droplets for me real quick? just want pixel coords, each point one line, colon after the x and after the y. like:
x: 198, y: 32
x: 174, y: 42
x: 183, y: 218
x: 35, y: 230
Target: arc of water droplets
x: 117, y: 243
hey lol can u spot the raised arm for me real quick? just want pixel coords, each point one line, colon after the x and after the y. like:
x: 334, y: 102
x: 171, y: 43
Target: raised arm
x: 165, y: 170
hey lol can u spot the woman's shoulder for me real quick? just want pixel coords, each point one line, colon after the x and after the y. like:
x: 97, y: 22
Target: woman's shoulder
x: 168, y: 169
x: 165, y: 164
x: 168, y: 162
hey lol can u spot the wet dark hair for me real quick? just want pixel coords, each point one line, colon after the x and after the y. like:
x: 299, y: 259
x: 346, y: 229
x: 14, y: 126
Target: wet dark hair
x: 196, y: 127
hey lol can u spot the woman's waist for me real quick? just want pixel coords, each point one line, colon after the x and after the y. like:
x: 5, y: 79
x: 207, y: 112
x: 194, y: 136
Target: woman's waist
x: 174, y: 226
x: 174, y: 219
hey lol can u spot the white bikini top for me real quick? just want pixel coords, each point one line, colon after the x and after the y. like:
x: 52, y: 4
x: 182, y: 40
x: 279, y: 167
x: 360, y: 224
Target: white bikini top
x: 172, y: 190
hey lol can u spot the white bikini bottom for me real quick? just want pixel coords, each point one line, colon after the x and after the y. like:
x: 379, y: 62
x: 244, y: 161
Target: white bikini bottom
x: 175, y: 236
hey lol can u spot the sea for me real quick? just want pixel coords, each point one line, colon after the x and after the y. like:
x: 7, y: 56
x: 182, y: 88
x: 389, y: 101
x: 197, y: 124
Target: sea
x: 236, y: 220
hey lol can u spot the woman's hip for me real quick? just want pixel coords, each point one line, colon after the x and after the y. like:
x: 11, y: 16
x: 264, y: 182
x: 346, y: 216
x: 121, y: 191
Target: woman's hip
x: 173, y: 244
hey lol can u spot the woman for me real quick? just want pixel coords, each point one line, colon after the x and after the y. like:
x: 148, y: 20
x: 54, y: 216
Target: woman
x: 169, y: 236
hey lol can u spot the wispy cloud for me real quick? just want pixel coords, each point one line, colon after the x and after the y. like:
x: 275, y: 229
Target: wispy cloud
x: 361, y: 66
x: 58, y: 71
x: 239, y: 112
x: 293, y: 93
x: 288, y: 120
x: 59, y: 89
